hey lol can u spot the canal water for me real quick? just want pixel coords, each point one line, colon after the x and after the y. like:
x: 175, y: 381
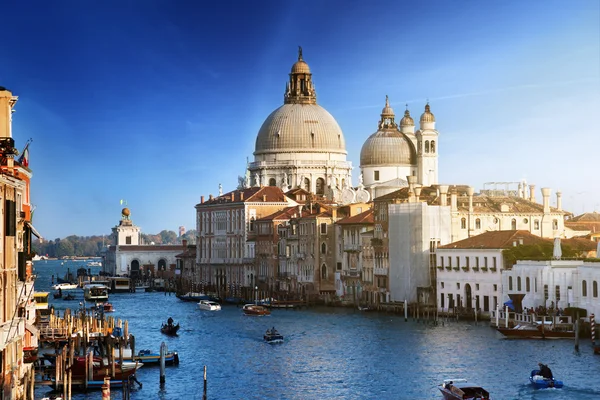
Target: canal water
x: 331, y: 353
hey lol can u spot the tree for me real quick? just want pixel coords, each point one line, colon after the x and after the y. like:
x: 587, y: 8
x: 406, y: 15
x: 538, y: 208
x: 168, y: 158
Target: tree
x: 65, y: 248
x: 168, y: 237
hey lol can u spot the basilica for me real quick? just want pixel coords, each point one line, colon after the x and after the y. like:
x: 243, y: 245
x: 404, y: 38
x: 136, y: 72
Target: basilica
x: 298, y: 226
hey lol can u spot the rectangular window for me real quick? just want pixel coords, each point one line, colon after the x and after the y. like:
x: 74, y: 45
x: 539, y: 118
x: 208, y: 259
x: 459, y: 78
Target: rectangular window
x: 323, y: 228
x: 557, y: 294
x: 545, y: 292
x: 477, y: 286
x: 477, y: 262
x: 442, y: 262
x: 442, y: 284
x: 467, y: 260
x: 457, y: 261
x: 485, y: 263
x: 495, y: 288
x: 458, y: 285
x: 449, y: 261
x: 128, y: 240
x: 376, y: 175
x: 442, y: 300
x: 339, y: 266
x: 494, y: 260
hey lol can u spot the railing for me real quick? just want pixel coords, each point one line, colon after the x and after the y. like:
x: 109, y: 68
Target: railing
x: 11, y: 330
x: 380, y: 271
x: 300, y: 256
x: 329, y: 163
x: 305, y: 279
x: 351, y: 273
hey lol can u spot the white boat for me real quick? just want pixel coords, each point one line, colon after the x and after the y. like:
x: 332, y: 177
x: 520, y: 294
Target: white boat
x: 94, y: 264
x: 208, y: 305
x: 95, y: 292
x: 65, y: 286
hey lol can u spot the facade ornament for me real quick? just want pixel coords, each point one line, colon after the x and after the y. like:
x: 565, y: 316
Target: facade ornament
x: 220, y: 190
x: 256, y: 179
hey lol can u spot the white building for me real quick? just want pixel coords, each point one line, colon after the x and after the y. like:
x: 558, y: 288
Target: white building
x: 469, y: 272
x: 558, y: 283
x: 415, y: 229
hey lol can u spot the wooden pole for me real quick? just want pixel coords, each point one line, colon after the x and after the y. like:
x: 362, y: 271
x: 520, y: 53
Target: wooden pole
x: 205, y: 384
x: 577, y: 332
x: 163, y: 352
x: 106, y: 389
x: 593, y: 328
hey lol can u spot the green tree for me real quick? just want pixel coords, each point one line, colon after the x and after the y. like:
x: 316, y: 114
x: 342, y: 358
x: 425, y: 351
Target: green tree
x: 540, y: 251
x: 65, y: 248
x: 168, y: 237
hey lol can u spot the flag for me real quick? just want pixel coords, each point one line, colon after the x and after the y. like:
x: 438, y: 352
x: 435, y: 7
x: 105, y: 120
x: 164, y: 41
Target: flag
x: 24, y: 158
x: 121, y: 201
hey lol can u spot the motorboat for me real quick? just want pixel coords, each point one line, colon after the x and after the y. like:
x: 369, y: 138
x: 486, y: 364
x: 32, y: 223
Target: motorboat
x: 208, y: 305
x: 105, y: 307
x: 460, y: 389
x: 255, y: 310
x: 540, y: 382
x: 169, y: 329
x: 272, y: 336
x: 100, y: 369
x: 193, y: 296
x: 95, y: 292
x: 120, y: 284
x: 147, y: 357
x: 65, y: 286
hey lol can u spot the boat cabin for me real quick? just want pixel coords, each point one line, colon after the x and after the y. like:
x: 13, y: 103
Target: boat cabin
x: 95, y: 292
x: 120, y: 284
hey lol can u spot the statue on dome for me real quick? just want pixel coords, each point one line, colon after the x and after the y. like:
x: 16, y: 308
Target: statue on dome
x: 284, y: 182
x: 256, y: 179
x: 220, y: 190
x: 299, y: 52
x: 360, y: 180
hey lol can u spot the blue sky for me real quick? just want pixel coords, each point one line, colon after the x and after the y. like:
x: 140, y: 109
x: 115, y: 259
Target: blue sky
x: 157, y: 102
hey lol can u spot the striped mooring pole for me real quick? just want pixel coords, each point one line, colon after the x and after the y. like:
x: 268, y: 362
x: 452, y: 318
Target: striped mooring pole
x: 593, y: 329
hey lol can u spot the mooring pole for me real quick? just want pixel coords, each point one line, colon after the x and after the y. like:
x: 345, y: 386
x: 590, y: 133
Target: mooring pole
x: 405, y: 310
x: 593, y: 328
x: 163, y: 352
x: 106, y: 389
x: 205, y: 384
x: 577, y: 332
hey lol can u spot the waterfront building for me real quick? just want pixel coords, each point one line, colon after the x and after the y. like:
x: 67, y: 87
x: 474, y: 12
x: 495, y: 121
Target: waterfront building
x: 355, y: 280
x: 127, y: 256
x: 586, y: 224
x: 226, y: 226
x: 469, y: 271
x: 554, y: 284
x: 300, y: 144
x: 17, y: 332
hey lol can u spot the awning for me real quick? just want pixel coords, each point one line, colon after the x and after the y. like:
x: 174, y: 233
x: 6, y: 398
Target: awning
x: 36, y: 233
x: 34, y: 331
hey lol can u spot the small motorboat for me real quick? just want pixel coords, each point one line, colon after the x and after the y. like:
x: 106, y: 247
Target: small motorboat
x: 272, y: 336
x: 255, y: 310
x: 169, y: 328
x: 540, y: 382
x: 105, y: 307
x: 460, y: 389
x: 65, y: 286
x: 208, y: 305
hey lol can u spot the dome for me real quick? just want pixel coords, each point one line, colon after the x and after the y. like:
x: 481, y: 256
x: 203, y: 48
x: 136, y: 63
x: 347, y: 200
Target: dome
x: 300, y: 127
x: 387, y: 110
x: 300, y: 67
x: 387, y: 148
x: 407, y: 119
x: 427, y: 116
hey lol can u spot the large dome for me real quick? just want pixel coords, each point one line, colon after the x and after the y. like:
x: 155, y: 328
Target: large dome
x: 387, y: 148
x: 300, y: 128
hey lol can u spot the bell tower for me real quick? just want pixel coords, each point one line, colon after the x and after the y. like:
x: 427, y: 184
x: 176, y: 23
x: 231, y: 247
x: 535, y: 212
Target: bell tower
x: 427, y: 149
x: 300, y: 88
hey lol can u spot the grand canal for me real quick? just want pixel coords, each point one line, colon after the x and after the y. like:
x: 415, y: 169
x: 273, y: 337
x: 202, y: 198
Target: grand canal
x: 331, y: 353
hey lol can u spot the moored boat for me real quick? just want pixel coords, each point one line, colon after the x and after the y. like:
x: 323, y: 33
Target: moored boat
x: 460, y: 389
x: 208, y: 305
x: 540, y: 382
x: 193, y: 296
x: 539, y: 331
x: 148, y: 357
x: 169, y: 328
x: 65, y: 286
x: 100, y: 369
x: 95, y: 292
x: 255, y: 310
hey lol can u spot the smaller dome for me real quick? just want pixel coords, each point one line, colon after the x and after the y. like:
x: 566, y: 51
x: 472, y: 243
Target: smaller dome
x: 427, y: 116
x: 387, y: 148
x: 407, y: 119
x: 300, y: 67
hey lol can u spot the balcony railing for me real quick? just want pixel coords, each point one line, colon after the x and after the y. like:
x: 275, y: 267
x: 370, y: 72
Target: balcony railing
x: 300, y: 256
x: 351, y: 247
x: 11, y: 330
x: 305, y: 279
x: 381, y: 271
x: 351, y: 273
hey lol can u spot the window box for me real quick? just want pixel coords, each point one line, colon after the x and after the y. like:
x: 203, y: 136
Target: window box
x: 440, y: 267
x: 484, y: 268
x: 465, y: 268
x: 456, y: 268
x: 493, y: 269
x: 448, y: 268
x: 475, y: 268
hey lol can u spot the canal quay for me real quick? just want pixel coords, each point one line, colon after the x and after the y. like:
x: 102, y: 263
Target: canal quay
x: 328, y: 353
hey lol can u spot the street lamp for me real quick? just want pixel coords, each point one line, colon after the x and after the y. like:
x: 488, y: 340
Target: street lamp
x: 255, y: 294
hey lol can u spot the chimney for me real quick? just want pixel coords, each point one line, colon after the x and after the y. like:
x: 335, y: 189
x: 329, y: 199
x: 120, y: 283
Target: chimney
x: 210, y: 197
x: 201, y: 199
x: 334, y: 214
x: 232, y: 196
x: 532, y: 193
x: 411, y: 187
x: 264, y: 198
x: 443, y: 195
x: 559, y: 201
x: 521, y: 241
x: 546, y: 199
x: 453, y: 201
x: 470, y: 192
x: 418, y: 192
x: 242, y: 195
x: 184, y: 243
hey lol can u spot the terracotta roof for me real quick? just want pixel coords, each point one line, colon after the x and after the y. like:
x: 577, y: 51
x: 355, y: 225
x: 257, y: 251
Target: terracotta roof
x: 250, y: 195
x: 587, y: 217
x: 285, y: 214
x: 496, y: 240
x: 190, y: 252
x: 580, y: 244
x: 365, y: 217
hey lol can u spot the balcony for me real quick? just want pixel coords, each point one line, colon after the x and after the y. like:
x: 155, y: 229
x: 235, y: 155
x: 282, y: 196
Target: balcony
x: 351, y: 273
x: 440, y: 267
x: 352, y: 248
x: 300, y: 256
x: 284, y: 275
x: 11, y: 330
x: 380, y: 271
x: 305, y: 279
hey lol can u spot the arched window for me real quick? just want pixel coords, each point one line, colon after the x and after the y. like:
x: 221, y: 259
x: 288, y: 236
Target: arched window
x: 555, y: 224
x: 324, y: 271
x: 583, y: 288
x: 510, y: 283
x: 307, y: 184
x: 477, y: 223
x: 162, y: 265
x: 463, y: 223
x: 433, y: 146
x: 252, y: 224
x: 427, y: 146
x: 518, y: 283
x: 527, y: 284
x: 272, y: 182
x: 513, y: 224
x: 320, y: 186
x: 536, y: 224
x: 595, y: 289
x: 323, y: 248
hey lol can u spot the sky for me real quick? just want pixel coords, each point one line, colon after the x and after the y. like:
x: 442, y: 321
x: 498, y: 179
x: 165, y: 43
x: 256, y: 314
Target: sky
x: 158, y: 102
